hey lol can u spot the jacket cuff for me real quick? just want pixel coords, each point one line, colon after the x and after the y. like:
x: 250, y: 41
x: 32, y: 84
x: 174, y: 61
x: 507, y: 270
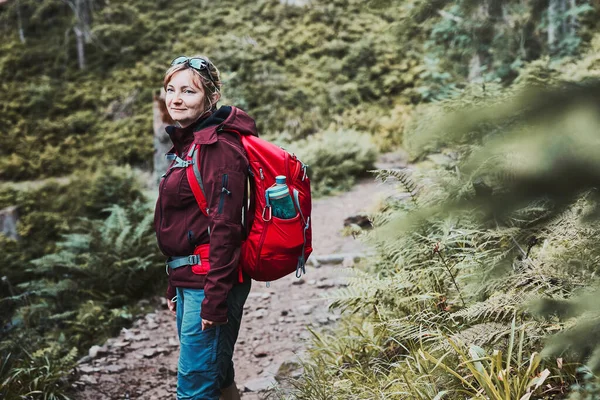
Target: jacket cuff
x: 205, y: 313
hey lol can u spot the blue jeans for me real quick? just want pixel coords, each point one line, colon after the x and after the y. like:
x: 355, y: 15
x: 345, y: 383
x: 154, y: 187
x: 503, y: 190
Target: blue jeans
x: 205, y: 358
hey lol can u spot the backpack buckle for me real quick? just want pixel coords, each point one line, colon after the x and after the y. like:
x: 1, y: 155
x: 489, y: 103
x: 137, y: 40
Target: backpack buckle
x: 194, y: 259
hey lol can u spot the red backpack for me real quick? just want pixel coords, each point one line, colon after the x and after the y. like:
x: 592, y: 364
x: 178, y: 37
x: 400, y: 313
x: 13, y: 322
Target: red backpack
x: 273, y: 247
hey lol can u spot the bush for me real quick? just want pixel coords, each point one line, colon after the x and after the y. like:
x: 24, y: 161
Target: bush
x: 336, y: 159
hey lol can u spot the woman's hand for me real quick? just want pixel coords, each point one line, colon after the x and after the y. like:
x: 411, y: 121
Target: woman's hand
x: 172, y: 306
x: 206, y: 324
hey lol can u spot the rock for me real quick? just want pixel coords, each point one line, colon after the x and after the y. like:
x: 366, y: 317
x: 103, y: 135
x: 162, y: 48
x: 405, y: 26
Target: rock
x: 313, y: 262
x: 141, y: 337
x: 260, y: 384
x: 298, y: 282
x: 284, y: 313
x: 290, y: 368
x: 120, y: 345
x: 152, y: 325
x: 113, y: 369
x: 260, y: 352
x: 305, y: 309
x: 87, y: 369
x: 443, y: 160
x: 362, y: 220
x: 149, y: 353
x: 8, y: 222
x: 258, y: 314
x: 330, y: 283
x: 96, y: 351
x: 127, y: 334
x: 348, y: 262
x: 325, y: 284
x: 88, y: 379
x: 84, y: 359
x: 339, y: 258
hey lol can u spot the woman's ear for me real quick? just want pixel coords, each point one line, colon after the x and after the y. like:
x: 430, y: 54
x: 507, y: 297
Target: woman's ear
x: 215, y: 97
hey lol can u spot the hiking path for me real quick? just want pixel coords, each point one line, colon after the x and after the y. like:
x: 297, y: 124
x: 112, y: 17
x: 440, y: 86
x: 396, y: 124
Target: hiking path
x: 141, y: 363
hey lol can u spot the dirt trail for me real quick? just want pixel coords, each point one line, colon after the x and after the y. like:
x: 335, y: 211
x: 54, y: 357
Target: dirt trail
x: 141, y: 363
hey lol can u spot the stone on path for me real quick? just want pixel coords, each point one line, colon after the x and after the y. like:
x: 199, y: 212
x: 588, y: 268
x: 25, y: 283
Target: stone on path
x: 260, y: 384
x: 96, y: 351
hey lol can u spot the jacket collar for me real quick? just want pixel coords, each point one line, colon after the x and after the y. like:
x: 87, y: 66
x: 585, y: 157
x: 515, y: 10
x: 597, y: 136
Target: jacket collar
x: 205, y: 132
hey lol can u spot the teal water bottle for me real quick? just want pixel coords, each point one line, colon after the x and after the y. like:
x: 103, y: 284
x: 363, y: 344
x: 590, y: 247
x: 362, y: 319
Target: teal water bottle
x: 282, y: 205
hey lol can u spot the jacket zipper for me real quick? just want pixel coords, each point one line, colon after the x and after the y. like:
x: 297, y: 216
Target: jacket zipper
x: 200, y: 158
x: 224, y: 191
x: 160, y: 199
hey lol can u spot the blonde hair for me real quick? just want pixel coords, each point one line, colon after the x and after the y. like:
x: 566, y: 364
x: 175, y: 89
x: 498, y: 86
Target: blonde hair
x: 211, y: 86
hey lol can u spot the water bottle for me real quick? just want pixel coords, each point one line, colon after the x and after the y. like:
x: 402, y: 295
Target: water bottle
x: 282, y: 205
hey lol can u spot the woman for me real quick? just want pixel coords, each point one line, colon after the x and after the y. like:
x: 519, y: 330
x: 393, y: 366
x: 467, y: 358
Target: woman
x: 205, y: 294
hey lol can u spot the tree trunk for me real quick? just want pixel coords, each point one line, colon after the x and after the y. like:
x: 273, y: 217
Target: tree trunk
x: 564, y: 21
x: 573, y: 23
x: 79, y: 36
x: 82, y: 9
x: 9, y: 217
x: 20, y: 23
x: 162, y: 141
x: 553, y: 24
x: 475, y: 68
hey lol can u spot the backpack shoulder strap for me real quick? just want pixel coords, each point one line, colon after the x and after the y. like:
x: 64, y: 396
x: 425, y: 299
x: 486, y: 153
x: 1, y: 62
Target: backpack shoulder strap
x: 195, y: 179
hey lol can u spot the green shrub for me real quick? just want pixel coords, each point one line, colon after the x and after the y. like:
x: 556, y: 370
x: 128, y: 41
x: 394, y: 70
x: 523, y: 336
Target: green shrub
x: 336, y: 159
x: 78, y: 295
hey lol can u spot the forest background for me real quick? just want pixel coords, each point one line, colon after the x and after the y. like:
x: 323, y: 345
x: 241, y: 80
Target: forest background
x: 484, y: 282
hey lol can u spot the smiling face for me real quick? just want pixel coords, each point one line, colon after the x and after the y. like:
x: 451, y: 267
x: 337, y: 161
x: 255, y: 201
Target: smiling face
x: 185, y: 99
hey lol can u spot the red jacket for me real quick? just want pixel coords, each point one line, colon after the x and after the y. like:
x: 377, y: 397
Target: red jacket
x: 179, y: 223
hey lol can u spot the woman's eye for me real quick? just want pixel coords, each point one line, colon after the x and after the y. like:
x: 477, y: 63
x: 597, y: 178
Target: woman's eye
x: 169, y: 90
x: 189, y: 91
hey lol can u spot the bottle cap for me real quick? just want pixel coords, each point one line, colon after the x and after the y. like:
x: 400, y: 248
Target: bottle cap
x: 280, y: 179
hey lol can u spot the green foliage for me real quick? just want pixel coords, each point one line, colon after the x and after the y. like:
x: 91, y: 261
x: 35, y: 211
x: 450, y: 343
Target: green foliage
x: 499, y: 376
x: 92, y: 239
x: 80, y: 294
x: 42, y: 376
x: 462, y: 257
x: 502, y: 213
x: 296, y: 71
x: 335, y: 159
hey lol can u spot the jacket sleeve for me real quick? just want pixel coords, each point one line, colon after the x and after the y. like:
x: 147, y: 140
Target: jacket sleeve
x: 225, y: 186
x: 171, y: 291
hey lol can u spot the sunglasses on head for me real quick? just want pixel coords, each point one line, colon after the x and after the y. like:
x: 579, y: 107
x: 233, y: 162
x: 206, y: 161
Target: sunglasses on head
x: 199, y: 64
